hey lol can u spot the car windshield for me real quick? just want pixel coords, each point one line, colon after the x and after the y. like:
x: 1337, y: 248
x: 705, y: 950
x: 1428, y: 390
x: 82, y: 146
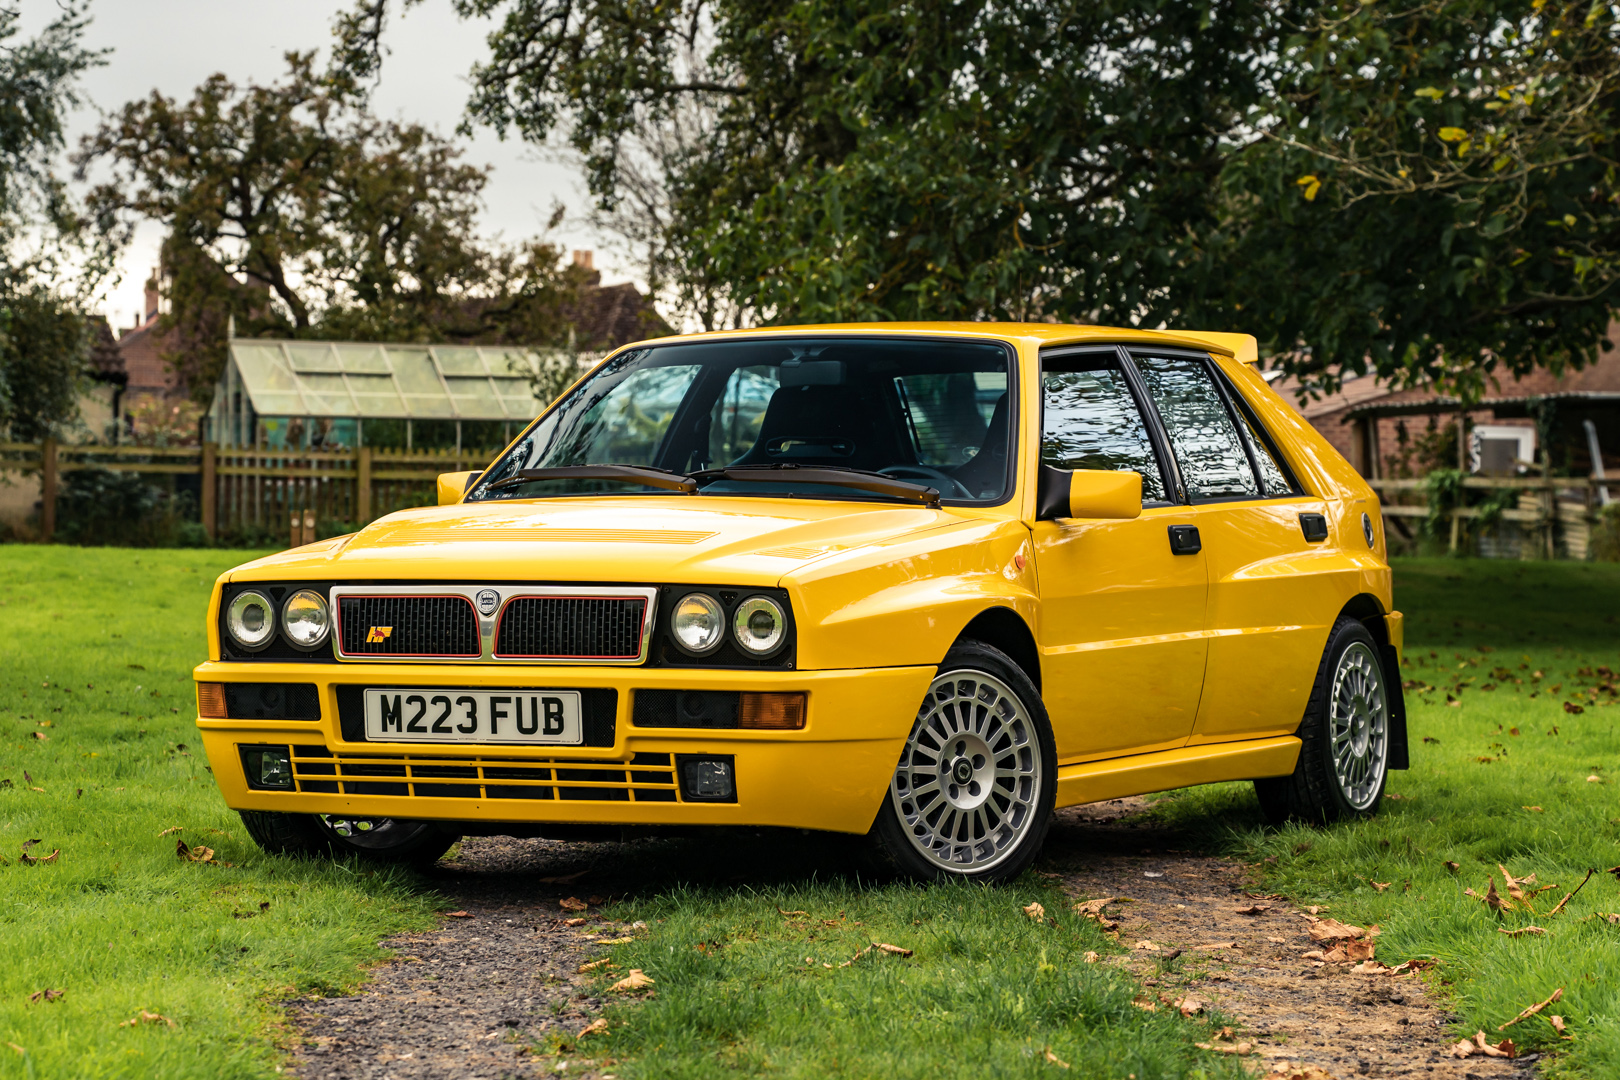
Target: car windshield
x: 934, y: 413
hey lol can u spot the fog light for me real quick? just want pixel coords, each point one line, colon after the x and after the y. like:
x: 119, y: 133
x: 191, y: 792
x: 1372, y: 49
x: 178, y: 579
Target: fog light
x: 707, y: 779
x: 267, y: 767
x: 779, y: 712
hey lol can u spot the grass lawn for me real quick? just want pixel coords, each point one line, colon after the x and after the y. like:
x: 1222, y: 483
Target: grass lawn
x: 96, y: 648
x: 1522, y: 772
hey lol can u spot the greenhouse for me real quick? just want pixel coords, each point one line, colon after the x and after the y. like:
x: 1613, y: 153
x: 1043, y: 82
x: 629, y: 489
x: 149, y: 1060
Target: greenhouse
x: 319, y: 395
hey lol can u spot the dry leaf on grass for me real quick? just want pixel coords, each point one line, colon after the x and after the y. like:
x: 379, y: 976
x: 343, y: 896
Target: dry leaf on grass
x: 1571, y: 895
x: 171, y: 829
x: 1333, y: 930
x: 1558, y: 1023
x: 1190, y: 1005
x: 1453, y: 867
x: 1241, y: 1049
x: 1372, y: 967
x: 595, y: 1027
x: 594, y: 965
x: 1253, y: 909
x: 615, y: 941
x: 144, y: 1017
x: 1378, y: 886
x: 795, y: 914
x: 46, y: 994
x: 1145, y: 946
x: 1093, y: 908
x: 1298, y: 1072
x: 1145, y: 1005
x: 636, y: 980
x: 1035, y: 911
x: 1090, y: 958
x: 1533, y: 1009
x: 1317, y: 909
x: 1478, y: 1047
x: 572, y: 903
x: 1521, y: 931
x: 1533, y: 809
x: 1055, y: 1060
x: 575, y: 922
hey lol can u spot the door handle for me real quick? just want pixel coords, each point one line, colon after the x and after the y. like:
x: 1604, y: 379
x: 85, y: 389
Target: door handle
x: 1184, y: 540
x: 1314, y: 526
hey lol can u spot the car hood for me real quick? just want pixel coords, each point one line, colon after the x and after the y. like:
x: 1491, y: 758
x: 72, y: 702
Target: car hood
x: 678, y: 538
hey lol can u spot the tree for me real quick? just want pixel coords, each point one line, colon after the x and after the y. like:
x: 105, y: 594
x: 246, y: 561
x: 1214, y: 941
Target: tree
x: 293, y: 210
x: 1436, y: 184
x: 1046, y: 158
x: 49, y: 260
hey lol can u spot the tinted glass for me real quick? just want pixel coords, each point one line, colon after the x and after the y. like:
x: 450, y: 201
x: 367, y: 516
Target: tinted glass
x: 1091, y: 421
x: 1213, y: 464
x: 931, y: 412
x: 1274, y: 481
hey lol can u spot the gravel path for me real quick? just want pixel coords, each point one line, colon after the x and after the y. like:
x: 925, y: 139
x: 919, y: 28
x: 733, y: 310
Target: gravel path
x: 465, y: 1000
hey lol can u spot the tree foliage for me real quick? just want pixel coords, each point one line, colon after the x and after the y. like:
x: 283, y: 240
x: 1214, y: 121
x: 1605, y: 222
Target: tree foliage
x: 1423, y: 187
x: 293, y: 210
x: 48, y: 260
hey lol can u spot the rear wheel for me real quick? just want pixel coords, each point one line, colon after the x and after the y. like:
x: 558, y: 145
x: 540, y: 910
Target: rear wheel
x: 1344, y: 759
x: 383, y: 840
x: 972, y: 795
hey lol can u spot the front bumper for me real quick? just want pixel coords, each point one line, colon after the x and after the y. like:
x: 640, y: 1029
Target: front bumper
x: 830, y: 775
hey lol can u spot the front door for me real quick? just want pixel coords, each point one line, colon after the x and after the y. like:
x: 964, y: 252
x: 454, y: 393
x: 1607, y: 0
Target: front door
x: 1271, y: 596
x: 1122, y: 616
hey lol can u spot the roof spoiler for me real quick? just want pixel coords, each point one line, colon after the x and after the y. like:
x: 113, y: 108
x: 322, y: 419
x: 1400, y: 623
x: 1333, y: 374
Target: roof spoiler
x: 1242, y: 347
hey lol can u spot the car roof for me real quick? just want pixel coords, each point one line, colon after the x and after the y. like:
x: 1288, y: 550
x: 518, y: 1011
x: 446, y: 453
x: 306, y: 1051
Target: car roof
x: 1241, y: 347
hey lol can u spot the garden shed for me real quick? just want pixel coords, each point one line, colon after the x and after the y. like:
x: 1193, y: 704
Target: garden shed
x: 324, y: 395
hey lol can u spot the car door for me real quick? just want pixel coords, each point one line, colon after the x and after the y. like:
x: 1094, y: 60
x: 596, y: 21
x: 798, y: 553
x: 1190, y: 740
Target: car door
x: 1270, y: 594
x: 1122, y: 614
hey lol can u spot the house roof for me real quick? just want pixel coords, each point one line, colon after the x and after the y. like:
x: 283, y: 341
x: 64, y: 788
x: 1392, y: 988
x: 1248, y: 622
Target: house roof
x: 372, y: 380
x: 1598, y: 383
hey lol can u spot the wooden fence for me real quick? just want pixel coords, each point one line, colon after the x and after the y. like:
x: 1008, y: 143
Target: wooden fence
x: 266, y: 490
x: 1555, y: 515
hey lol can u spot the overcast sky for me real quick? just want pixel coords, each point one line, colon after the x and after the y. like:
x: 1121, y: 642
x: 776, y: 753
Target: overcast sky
x: 173, y: 45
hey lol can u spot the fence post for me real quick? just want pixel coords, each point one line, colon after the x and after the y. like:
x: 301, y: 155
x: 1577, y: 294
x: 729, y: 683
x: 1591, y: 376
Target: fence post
x: 47, y: 489
x: 362, y: 480
x: 210, y: 495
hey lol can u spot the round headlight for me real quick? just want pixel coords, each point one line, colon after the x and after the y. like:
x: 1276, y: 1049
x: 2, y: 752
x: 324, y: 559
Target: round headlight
x: 305, y: 619
x: 698, y: 623
x: 249, y: 619
x: 759, y: 625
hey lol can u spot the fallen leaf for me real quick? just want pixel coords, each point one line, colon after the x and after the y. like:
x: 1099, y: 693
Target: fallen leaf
x: 1334, y: 930
x: 1357, y: 951
x: 1574, y: 709
x: 1055, y: 1060
x: 894, y: 950
x: 636, y: 980
x: 1253, y: 909
x: 575, y: 922
x: 1145, y: 1005
x: 31, y: 860
x: 572, y: 903
x: 1317, y: 909
x: 1533, y: 1009
x: 144, y: 1017
x: 1533, y: 809
x: 1521, y: 931
x: 593, y: 965
x: 1371, y: 967
x: 1379, y: 886
x: 458, y: 915
x: 1093, y: 908
x: 1431, y: 740
x: 171, y: 829
x: 1298, y: 1072
x: 1453, y: 867
x: 1557, y: 1022
x: 46, y: 994
x: 1240, y: 1049
x: 1190, y: 1005
x: 1090, y: 958
x: 1493, y: 899
x: 615, y: 941
x: 1571, y: 894
x: 1145, y: 946
x: 596, y: 900
x: 1035, y: 911
x: 41, y: 736
x: 795, y: 914
x: 595, y: 1027
x: 1218, y: 945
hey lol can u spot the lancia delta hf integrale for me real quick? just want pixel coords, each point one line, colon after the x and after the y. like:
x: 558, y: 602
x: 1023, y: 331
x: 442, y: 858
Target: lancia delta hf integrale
x: 925, y: 582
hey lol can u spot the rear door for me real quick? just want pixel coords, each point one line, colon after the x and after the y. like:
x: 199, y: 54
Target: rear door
x: 1271, y: 598
x: 1122, y: 615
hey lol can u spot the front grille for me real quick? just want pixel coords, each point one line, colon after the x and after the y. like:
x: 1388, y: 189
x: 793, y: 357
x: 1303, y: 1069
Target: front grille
x: 646, y: 778
x: 408, y: 626
x: 572, y: 627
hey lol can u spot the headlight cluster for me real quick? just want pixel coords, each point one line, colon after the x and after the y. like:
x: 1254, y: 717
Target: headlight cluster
x: 305, y: 619
x: 698, y: 624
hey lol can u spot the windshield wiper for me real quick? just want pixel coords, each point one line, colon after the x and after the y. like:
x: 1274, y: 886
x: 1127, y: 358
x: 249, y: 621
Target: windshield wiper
x: 839, y: 475
x: 637, y: 474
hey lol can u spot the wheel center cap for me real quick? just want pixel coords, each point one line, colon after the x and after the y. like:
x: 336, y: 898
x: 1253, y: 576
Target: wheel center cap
x: 962, y: 770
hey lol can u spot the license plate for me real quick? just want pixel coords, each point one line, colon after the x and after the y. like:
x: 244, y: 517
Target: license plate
x: 528, y: 717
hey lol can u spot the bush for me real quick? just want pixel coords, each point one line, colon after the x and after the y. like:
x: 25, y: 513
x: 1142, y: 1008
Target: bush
x: 97, y: 507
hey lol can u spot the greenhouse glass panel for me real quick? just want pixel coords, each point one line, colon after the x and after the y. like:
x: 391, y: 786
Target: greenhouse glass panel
x: 363, y: 359
x: 312, y: 356
x: 459, y: 361
x: 376, y: 395
x: 415, y: 372
x: 474, y: 397
x: 327, y: 396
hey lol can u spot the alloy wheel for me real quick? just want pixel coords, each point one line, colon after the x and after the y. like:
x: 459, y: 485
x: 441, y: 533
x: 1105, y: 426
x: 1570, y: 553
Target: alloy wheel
x: 969, y: 779
x: 1358, y: 726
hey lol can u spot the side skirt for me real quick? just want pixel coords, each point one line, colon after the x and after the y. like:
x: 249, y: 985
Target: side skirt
x: 1139, y: 774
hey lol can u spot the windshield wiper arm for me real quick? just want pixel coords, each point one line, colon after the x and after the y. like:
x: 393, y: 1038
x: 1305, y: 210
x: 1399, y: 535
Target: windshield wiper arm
x: 637, y: 474
x: 839, y: 475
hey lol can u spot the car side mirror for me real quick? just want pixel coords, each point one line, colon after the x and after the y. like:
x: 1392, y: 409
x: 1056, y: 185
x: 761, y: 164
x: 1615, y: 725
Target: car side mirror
x: 1088, y: 493
x: 453, y: 485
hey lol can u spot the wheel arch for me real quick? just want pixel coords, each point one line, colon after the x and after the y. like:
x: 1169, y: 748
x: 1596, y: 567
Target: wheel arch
x: 1004, y: 629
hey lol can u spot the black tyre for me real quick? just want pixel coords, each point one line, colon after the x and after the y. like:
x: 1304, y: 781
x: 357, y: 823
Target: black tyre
x: 972, y: 795
x: 1345, y: 758
x: 381, y: 840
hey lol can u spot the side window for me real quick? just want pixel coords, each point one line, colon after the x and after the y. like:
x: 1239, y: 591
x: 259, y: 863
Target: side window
x: 736, y: 416
x: 1275, y: 481
x: 1213, y: 462
x: 1091, y: 421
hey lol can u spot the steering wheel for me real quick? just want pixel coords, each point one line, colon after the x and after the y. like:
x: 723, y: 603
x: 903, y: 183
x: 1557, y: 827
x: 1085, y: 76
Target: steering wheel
x: 949, y: 486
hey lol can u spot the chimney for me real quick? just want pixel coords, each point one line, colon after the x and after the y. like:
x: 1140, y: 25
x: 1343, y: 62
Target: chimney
x: 585, y: 260
x: 151, y: 297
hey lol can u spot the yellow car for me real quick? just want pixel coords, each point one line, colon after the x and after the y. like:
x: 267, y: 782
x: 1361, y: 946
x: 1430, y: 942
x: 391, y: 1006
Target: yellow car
x: 926, y: 582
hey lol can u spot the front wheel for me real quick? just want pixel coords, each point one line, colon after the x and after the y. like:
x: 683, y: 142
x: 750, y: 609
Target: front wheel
x: 972, y: 795
x: 1344, y: 759
x: 382, y: 840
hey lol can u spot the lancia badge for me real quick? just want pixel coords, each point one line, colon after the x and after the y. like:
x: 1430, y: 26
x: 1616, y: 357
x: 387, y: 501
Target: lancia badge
x: 378, y: 634
x: 488, y: 601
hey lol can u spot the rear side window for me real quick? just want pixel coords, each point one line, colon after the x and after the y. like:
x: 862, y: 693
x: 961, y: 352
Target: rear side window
x: 1213, y: 461
x: 1091, y: 420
